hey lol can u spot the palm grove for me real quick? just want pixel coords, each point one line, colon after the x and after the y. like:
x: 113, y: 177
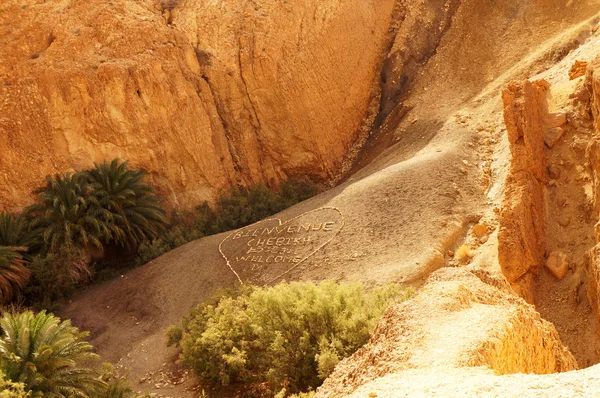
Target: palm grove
x: 51, y: 247
x: 286, y: 339
x: 77, y: 218
x: 87, y: 222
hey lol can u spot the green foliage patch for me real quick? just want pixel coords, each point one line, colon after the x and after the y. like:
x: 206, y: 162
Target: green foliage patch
x: 10, y: 389
x: 290, y: 335
x: 233, y: 209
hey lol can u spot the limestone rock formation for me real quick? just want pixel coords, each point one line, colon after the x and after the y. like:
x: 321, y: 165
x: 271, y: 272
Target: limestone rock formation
x: 497, y: 330
x: 203, y: 95
x: 521, y: 235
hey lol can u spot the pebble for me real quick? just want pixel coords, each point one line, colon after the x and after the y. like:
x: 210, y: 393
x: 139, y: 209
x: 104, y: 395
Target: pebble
x: 563, y: 222
x: 554, y: 172
x: 557, y: 264
x: 479, y: 230
x: 553, y: 135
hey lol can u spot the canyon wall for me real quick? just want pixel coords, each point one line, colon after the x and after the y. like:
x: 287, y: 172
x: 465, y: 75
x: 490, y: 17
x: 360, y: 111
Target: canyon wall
x: 203, y: 95
x: 210, y: 94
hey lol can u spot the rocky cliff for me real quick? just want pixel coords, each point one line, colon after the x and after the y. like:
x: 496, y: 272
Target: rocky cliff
x: 201, y: 94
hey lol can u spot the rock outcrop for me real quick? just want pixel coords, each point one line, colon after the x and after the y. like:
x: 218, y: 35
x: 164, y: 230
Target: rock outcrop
x: 203, y: 95
x: 497, y: 330
x: 522, y: 220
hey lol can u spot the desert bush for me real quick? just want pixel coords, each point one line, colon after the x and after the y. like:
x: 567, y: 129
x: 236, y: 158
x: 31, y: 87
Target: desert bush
x: 10, y: 389
x: 55, y: 276
x: 295, y: 191
x: 283, y: 394
x: 116, y: 384
x: 240, y: 207
x: 290, y: 335
x: 233, y: 209
x: 150, y: 250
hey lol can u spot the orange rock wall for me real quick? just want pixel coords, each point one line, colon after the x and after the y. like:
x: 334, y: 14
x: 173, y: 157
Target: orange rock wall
x: 522, y: 219
x: 203, y: 96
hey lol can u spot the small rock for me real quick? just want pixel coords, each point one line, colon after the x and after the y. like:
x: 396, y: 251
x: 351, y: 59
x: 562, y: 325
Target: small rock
x: 554, y: 172
x: 577, y: 70
x: 557, y: 264
x: 479, y: 230
x: 372, y: 395
x: 450, y: 253
x: 551, y: 183
x: 483, y: 239
x: 557, y: 119
x: 563, y: 222
x: 553, y: 135
x: 579, y: 146
x: 582, y: 95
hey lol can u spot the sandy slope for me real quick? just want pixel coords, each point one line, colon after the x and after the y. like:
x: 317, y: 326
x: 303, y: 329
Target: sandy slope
x: 425, y: 183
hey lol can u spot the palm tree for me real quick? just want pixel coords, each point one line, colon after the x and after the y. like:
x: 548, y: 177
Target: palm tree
x: 135, y: 208
x: 67, y: 214
x: 13, y: 273
x: 14, y: 231
x: 46, y: 355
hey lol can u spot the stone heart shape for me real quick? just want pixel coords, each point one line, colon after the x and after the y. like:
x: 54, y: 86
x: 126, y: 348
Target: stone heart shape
x: 265, y: 251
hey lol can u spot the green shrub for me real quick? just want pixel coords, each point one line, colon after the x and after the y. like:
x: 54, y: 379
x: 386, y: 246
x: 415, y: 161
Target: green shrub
x: 290, y: 335
x: 172, y: 239
x: 116, y: 385
x: 234, y: 209
x: 55, y: 276
x: 296, y: 191
x: 242, y: 207
x: 283, y: 394
x: 174, y: 335
x: 238, y: 208
x: 10, y: 389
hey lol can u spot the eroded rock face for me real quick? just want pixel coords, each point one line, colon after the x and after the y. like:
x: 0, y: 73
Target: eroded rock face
x: 592, y: 266
x: 592, y: 91
x: 592, y: 274
x: 202, y: 95
x: 522, y: 220
x: 472, y: 323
